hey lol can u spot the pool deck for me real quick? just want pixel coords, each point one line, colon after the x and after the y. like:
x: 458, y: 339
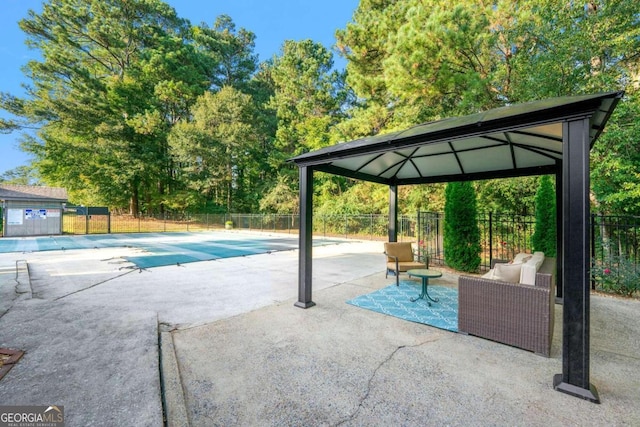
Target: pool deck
x: 233, y: 350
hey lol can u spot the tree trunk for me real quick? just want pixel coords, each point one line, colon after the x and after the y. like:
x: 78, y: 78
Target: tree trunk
x: 134, y: 202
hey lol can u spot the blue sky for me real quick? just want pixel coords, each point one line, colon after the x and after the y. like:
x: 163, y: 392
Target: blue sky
x: 272, y: 21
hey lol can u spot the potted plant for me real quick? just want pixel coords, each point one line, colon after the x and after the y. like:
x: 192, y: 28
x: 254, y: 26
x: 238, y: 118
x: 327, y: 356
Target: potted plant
x: 228, y: 225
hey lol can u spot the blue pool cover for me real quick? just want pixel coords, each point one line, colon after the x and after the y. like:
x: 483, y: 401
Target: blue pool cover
x: 164, y: 248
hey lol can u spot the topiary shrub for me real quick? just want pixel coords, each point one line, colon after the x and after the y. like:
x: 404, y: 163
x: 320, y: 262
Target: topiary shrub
x: 544, y: 236
x: 461, y: 232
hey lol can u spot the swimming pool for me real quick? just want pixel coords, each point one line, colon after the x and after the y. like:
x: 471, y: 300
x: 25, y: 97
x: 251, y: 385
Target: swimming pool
x: 161, y: 249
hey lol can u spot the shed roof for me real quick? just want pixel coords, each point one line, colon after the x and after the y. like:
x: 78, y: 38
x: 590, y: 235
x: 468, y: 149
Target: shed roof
x: 516, y: 140
x: 31, y: 192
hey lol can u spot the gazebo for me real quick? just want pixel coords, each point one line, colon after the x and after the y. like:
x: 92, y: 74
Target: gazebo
x: 552, y: 136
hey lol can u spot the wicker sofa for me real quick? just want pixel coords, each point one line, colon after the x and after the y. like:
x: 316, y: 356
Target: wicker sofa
x: 511, y: 313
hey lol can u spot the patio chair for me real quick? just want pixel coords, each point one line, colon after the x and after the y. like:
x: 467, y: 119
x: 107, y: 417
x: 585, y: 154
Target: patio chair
x: 400, y: 258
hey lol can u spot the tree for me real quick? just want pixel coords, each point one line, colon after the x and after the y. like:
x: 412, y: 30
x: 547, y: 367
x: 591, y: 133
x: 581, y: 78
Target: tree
x: 114, y: 76
x: 422, y: 60
x: 229, y: 52
x: 461, y: 233
x: 508, y: 195
x: 615, y: 161
x: 22, y: 175
x: 117, y: 76
x: 569, y: 48
x: 544, y: 236
x: 444, y: 60
x: 215, y: 151
x: 308, y: 100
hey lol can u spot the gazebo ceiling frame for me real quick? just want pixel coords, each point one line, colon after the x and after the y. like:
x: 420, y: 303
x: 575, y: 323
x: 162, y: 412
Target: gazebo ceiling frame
x: 552, y: 136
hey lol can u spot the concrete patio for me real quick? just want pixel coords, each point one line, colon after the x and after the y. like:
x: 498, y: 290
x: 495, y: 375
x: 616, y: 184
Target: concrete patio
x: 220, y: 343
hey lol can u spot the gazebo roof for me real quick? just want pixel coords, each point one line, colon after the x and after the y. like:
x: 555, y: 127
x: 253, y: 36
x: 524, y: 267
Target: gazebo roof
x: 517, y: 140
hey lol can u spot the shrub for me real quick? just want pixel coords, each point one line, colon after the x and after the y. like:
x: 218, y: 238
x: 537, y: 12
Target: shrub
x: 461, y: 232
x: 619, y: 275
x: 544, y: 236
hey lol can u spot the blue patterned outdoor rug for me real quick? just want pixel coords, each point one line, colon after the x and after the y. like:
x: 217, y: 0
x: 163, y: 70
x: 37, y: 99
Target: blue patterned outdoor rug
x: 395, y: 301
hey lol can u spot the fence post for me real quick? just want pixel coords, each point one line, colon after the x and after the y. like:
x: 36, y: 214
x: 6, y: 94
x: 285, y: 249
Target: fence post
x: 346, y: 227
x: 418, y: 234
x: 370, y: 226
x: 490, y: 238
x: 593, y: 249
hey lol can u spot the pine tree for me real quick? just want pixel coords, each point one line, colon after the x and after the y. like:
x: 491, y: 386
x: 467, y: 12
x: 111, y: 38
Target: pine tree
x: 461, y: 233
x: 544, y: 236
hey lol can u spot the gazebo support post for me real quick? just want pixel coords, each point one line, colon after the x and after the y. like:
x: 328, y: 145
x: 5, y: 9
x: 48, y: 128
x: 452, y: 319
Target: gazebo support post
x: 574, y: 379
x: 393, y: 213
x: 305, y: 260
x: 559, y: 247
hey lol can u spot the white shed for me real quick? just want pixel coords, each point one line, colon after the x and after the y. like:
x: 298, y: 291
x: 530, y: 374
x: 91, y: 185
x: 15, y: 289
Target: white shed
x: 32, y: 210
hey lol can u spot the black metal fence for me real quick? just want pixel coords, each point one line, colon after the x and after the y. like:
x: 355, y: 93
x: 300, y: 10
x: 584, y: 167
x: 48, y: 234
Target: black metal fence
x: 501, y: 236
x: 372, y: 227
x: 614, y: 236
x: 615, y: 245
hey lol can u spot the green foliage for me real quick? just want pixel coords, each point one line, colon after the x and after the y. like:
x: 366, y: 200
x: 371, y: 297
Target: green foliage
x: 512, y: 195
x: 22, y: 175
x: 423, y: 198
x: 461, y: 233
x: 544, y: 236
x: 568, y: 48
x: 366, y: 198
x: 216, y: 149
x: 228, y: 53
x: 308, y: 100
x: 442, y: 60
x: 615, y: 160
x: 618, y: 275
x: 282, y: 198
x: 114, y: 76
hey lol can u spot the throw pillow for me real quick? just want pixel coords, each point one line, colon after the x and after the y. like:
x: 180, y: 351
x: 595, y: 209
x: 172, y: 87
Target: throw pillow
x: 529, y: 270
x: 528, y: 274
x: 488, y: 275
x: 521, y: 258
x: 507, y: 272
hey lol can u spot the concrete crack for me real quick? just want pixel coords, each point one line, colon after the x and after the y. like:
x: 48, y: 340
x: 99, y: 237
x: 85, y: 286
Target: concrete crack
x: 94, y: 285
x: 20, y: 288
x: 373, y: 375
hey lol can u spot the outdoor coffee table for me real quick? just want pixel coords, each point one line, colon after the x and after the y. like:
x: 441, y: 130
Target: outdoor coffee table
x: 425, y: 275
